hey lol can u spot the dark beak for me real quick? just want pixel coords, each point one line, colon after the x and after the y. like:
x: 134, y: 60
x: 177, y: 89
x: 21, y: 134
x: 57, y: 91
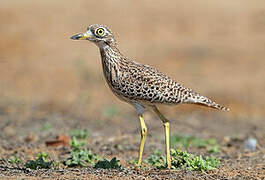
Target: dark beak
x: 80, y: 36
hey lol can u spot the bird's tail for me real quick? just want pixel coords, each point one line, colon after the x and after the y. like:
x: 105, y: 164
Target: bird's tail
x: 195, y: 98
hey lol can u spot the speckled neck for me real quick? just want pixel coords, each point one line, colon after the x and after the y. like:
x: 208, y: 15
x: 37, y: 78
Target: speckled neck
x: 111, y: 59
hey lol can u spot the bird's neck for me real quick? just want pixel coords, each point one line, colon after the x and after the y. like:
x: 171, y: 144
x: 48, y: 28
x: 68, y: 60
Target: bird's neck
x: 111, y: 59
x: 110, y: 51
x: 110, y: 55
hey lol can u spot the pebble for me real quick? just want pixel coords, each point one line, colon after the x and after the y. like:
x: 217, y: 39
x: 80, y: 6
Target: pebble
x: 250, y: 144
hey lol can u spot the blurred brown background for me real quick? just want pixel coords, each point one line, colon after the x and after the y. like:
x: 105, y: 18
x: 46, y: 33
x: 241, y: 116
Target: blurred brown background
x: 215, y: 47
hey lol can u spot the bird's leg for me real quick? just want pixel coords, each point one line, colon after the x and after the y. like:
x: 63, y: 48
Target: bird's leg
x: 143, y: 136
x: 166, y: 127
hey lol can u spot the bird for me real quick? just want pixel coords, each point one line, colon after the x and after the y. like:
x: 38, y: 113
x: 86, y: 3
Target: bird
x: 142, y: 86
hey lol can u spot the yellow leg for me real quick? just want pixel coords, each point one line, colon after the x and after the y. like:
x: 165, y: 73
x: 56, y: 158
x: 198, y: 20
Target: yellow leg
x: 166, y: 128
x: 143, y: 136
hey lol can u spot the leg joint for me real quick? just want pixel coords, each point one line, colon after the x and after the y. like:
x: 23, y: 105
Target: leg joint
x: 143, y: 131
x: 166, y: 124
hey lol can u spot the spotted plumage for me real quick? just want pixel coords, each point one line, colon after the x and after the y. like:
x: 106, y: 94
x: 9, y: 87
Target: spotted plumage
x: 138, y: 84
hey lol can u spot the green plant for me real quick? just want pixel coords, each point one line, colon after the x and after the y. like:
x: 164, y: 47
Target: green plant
x: 106, y: 164
x: 133, y: 161
x: 80, y: 156
x: 41, y: 162
x: 76, y: 145
x: 14, y: 160
x: 80, y: 133
x: 56, y: 165
x: 179, y: 141
x: 156, y: 160
x: 183, y: 160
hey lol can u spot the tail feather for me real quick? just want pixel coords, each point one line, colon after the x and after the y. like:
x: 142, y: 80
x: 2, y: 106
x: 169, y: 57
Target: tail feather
x: 196, y: 98
x: 214, y: 105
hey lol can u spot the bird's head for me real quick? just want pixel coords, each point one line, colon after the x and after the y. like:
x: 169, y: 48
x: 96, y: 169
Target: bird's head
x: 99, y: 34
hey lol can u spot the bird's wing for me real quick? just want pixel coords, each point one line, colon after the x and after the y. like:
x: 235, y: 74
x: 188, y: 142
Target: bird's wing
x: 147, y: 84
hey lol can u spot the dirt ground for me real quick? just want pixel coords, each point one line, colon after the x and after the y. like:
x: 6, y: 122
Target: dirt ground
x: 50, y: 84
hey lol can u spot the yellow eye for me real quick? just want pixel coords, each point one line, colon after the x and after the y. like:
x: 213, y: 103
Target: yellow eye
x: 100, y: 32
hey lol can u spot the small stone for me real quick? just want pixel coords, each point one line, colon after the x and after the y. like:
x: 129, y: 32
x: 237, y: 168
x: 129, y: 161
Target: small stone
x: 250, y: 144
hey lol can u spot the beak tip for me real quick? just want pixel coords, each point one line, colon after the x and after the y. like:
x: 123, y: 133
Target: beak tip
x: 80, y: 36
x: 74, y: 37
x: 77, y: 36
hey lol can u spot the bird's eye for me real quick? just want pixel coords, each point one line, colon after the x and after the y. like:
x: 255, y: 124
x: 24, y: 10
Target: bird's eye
x: 100, y: 32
